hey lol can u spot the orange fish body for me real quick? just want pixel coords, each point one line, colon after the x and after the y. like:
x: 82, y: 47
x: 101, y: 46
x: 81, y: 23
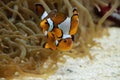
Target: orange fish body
x: 57, y: 33
x: 65, y: 44
x: 58, y: 18
x: 58, y: 28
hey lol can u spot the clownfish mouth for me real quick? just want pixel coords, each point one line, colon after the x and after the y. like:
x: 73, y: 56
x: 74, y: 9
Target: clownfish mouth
x: 61, y: 28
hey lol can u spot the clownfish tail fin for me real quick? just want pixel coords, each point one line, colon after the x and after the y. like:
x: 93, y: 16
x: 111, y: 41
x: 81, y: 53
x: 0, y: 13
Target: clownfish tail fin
x: 74, y: 22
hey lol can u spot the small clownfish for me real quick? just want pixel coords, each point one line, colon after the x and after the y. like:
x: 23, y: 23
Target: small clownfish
x: 69, y: 28
x: 58, y: 28
x: 102, y: 10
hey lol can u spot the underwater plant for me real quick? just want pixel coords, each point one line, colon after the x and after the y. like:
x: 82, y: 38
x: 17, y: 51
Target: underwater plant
x: 21, y: 38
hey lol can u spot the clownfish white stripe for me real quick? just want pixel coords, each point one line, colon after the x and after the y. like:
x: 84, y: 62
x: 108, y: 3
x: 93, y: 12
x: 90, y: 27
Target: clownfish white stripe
x: 44, y: 15
x: 51, y: 25
x: 56, y: 42
x: 66, y: 36
x: 65, y: 26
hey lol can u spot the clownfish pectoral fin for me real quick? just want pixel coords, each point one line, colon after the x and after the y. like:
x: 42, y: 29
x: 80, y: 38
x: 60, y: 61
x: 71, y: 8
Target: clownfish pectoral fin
x: 74, y: 22
x: 49, y: 46
x: 46, y: 45
x: 44, y: 25
x: 40, y: 11
x: 58, y: 33
x: 50, y: 37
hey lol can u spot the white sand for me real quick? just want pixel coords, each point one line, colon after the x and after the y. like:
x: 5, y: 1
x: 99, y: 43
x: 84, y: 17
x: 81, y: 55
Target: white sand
x: 104, y: 66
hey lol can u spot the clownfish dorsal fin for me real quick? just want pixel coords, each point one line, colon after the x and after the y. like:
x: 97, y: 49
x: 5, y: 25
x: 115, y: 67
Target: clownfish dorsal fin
x: 40, y: 11
x: 74, y: 22
x: 75, y: 11
x: 56, y: 17
x: 48, y: 15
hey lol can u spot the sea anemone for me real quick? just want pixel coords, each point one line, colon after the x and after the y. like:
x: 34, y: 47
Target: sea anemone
x: 21, y: 38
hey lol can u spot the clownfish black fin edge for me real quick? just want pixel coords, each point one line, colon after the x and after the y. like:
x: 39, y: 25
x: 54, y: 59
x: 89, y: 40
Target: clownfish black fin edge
x: 39, y: 9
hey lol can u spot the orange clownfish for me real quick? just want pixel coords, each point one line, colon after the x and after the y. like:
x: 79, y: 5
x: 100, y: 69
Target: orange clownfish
x: 50, y: 21
x: 58, y: 28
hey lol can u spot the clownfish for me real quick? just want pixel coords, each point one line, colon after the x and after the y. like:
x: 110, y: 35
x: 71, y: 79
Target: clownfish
x: 58, y: 28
